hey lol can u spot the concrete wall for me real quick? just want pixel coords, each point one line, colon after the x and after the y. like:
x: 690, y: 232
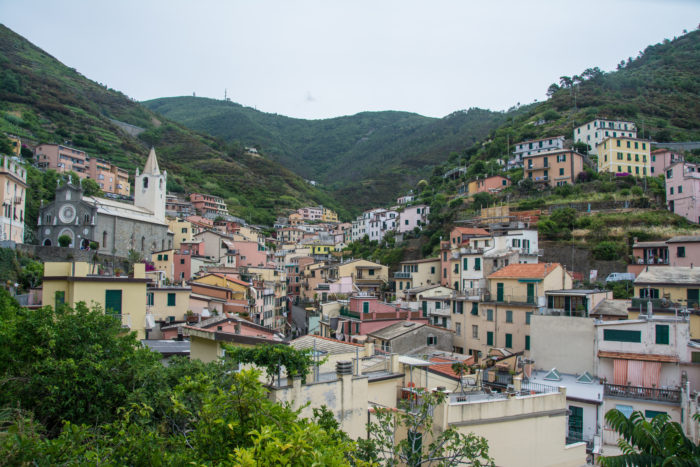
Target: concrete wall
x: 345, y: 396
x: 578, y: 259
x: 523, y: 431
x: 563, y: 342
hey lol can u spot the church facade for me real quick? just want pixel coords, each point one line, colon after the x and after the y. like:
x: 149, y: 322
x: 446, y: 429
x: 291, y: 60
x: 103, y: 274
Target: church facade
x: 115, y: 226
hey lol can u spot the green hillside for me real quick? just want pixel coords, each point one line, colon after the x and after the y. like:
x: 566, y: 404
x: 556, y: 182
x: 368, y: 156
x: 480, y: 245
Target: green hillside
x: 365, y: 159
x: 42, y: 100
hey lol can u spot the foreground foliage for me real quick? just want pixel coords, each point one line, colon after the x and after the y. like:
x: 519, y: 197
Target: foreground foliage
x: 658, y: 441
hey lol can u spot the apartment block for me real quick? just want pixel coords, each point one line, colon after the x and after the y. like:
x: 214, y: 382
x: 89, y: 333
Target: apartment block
x: 683, y: 190
x: 526, y: 148
x: 555, y: 168
x: 595, y: 132
x: 663, y: 158
x: 13, y: 187
x: 208, y: 204
x: 624, y: 155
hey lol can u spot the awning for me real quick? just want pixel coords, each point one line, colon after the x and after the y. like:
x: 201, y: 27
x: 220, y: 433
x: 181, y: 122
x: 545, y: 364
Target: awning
x: 411, y: 361
x: 639, y: 356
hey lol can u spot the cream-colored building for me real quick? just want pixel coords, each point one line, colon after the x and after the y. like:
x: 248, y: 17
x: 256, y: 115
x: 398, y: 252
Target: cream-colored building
x: 502, y: 318
x: 165, y: 302
x: 121, y: 296
x: 13, y: 188
x: 624, y: 155
x: 521, y: 429
x: 164, y: 261
x: 368, y: 276
x: 182, y: 231
x: 417, y: 273
x: 595, y: 131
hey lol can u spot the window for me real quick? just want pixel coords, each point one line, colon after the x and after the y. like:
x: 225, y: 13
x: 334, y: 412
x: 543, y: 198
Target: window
x: 671, y: 190
x: 182, y: 260
x: 465, y: 264
x: 149, y: 299
x: 509, y: 316
x: 477, y: 264
x: 475, y: 308
x: 160, y: 257
x: 629, y: 156
x: 680, y: 251
x: 489, y: 315
x: 509, y: 341
x: 527, y: 342
x: 171, y: 299
x: 561, y: 171
x: 489, y: 338
x: 669, y: 173
x: 528, y: 316
x: 113, y: 301
x: 458, y: 329
x: 625, y: 409
x: 425, y: 308
x: 680, y: 189
x: 662, y: 334
x: 620, y: 335
x: 438, y: 305
x: 59, y: 298
x: 475, y: 332
x: 165, y: 257
x: 432, y: 269
x: 653, y: 413
x: 432, y: 340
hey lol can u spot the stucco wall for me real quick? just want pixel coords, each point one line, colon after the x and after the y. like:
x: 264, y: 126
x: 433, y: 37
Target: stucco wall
x: 563, y: 342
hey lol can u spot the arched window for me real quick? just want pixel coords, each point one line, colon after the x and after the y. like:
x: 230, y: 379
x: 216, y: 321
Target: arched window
x: 145, y: 182
x: 143, y: 243
x: 160, y: 184
x: 47, y: 242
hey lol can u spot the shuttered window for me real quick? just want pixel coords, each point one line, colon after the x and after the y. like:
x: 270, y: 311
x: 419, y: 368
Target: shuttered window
x: 619, y: 335
x: 489, y: 338
x: 509, y: 341
x: 171, y: 299
x: 662, y: 334
x: 113, y: 301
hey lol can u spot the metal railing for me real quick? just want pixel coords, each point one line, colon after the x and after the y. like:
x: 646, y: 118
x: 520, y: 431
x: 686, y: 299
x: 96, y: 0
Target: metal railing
x: 656, y: 303
x: 639, y: 392
x: 402, y: 275
x: 350, y: 314
x: 506, y: 298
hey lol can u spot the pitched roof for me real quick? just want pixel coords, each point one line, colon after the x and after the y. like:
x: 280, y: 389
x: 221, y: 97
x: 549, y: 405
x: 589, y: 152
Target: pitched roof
x: 471, y: 231
x: 669, y: 275
x: 324, y: 344
x: 684, y: 239
x: 151, y: 166
x: 526, y: 271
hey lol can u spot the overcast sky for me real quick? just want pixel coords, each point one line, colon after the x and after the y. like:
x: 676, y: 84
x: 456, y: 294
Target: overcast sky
x: 326, y: 58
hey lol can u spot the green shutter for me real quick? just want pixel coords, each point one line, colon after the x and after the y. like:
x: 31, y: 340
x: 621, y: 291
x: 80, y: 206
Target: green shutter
x: 619, y: 335
x: 171, y: 299
x: 489, y: 338
x: 509, y: 341
x: 475, y: 308
x: 527, y: 342
x: 365, y: 307
x: 425, y: 308
x: 477, y: 264
x: 59, y: 298
x: 465, y: 263
x: 662, y: 334
x: 113, y: 301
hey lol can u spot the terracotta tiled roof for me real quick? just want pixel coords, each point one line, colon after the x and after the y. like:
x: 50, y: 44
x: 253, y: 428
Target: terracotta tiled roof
x: 526, y: 271
x: 233, y: 279
x: 471, y: 231
x: 444, y: 366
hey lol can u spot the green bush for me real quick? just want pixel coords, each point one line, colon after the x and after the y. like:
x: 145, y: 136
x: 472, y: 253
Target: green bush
x: 608, y: 251
x: 637, y: 191
x: 64, y: 240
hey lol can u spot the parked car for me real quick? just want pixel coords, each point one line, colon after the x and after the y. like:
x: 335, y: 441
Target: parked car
x: 620, y: 276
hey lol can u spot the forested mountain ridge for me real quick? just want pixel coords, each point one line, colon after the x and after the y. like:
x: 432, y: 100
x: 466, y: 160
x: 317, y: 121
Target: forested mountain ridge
x: 43, y: 100
x: 365, y: 159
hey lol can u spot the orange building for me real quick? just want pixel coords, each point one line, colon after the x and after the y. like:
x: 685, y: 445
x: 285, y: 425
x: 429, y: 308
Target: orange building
x: 555, y: 168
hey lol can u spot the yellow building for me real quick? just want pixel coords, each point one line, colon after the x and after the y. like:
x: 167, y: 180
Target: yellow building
x: 321, y: 250
x: 182, y: 232
x: 366, y: 275
x: 227, y: 281
x: 417, y: 273
x: 122, y: 296
x: 164, y: 261
x: 164, y: 302
x: 13, y: 188
x: 329, y: 215
x: 16, y: 144
x: 624, y: 155
x: 668, y: 289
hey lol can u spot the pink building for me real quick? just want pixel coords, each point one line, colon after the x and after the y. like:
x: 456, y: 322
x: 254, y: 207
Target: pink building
x: 412, y: 217
x: 314, y: 213
x: 182, y: 269
x: 208, y: 204
x: 366, y: 314
x: 491, y: 184
x: 684, y: 251
x: 683, y: 190
x: 250, y: 253
x: 62, y: 159
x: 662, y: 158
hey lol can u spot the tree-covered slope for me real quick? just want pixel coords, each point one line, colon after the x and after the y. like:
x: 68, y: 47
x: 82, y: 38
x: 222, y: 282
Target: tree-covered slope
x: 43, y: 100
x: 367, y: 158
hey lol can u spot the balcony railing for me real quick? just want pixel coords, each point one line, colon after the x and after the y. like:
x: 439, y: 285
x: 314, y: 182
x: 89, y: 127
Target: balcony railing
x: 514, y: 299
x: 402, y: 275
x: 350, y: 314
x: 659, y: 303
x: 637, y: 392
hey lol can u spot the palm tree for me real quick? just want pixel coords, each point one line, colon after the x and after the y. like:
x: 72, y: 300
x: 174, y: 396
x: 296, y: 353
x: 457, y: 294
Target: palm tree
x: 650, y: 442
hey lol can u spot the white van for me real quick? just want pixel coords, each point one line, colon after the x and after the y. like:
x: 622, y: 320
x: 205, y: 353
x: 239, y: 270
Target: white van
x: 620, y: 276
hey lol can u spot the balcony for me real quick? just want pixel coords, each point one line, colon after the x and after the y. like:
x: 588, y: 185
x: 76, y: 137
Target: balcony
x: 445, y: 311
x: 514, y: 299
x: 672, y: 396
x: 349, y: 314
x: 402, y: 275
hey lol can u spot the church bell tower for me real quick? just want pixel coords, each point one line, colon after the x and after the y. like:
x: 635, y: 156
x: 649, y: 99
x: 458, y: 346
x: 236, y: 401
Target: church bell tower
x: 150, y: 186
